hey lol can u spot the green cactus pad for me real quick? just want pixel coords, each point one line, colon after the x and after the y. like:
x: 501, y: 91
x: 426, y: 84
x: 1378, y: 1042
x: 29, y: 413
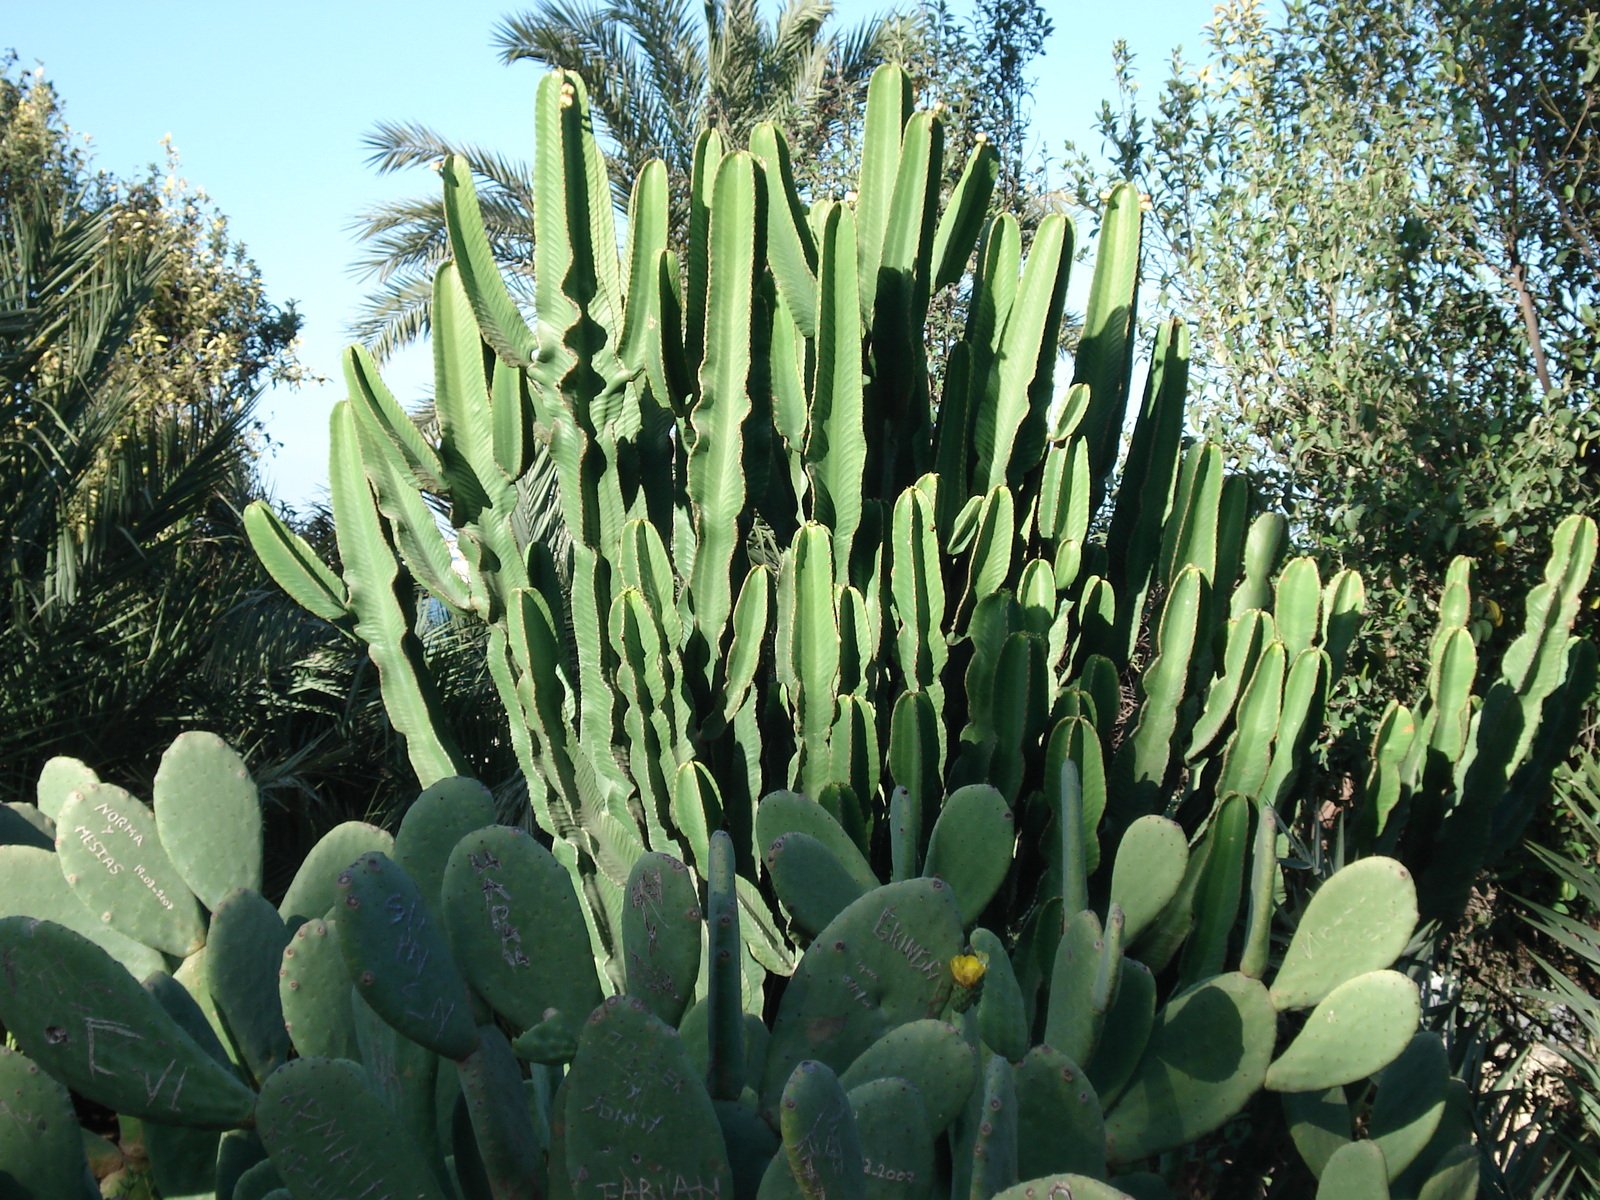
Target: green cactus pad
x: 1060, y: 1125
x: 517, y: 930
x: 1073, y: 1026
x: 930, y: 1055
x: 314, y: 993
x: 1359, y: 1028
x: 243, y: 957
x: 437, y: 819
x: 897, y: 1155
x: 1002, y: 1017
x: 111, y: 854
x: 32, y: 885
x: 1410, y: 1101
x: 1149, y: 869
x: 636, y: 1117
x: 315, y: 888
x: 1206, y: 1057
x: 1354, y: 1172
x: 751, y: 1144
x: 1062, y: 1187
x: 882, y: 962
x: 1455, y: 1133
x: 1454, y: 1176
x: 1359, y: 920
x: 177, y: 1002
x: 331, y: 1137
x: 551, y: 1041
x: 994, y: 1137
x: 820, y: 1139
x: 790, y: 812
x: 58, y: 779
x: 81, y: 1017
x: 209, y: 816
x: 808, y: 877
x: 258, y: 1182
x: 970, y: 847
x: 695, y: 1032
x: 497, y: 1106
x: 237, y: 1152
x: 41, y: 1145
x: 183, y: 1162
x: 1319, y: 1124
x: 725, y: 1028
x: 1126, y: 1031
x: 24, y: 825
x: 399, y: 960
x: 661, y: 928
x: 191, y: 976
x: 404, y: 1074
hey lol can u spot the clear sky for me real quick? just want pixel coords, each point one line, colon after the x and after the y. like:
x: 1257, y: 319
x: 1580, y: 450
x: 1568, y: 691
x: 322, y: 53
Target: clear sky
x: 267, y: 105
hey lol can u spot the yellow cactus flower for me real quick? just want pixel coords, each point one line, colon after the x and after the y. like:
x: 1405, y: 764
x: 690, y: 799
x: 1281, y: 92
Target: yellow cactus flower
x: 1500, y: 546
x: 969, y: 969
x: 1495, y: 615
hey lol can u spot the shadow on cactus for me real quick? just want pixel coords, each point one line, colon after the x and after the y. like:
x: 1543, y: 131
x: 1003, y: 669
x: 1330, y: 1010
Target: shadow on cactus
x: 902, y: 839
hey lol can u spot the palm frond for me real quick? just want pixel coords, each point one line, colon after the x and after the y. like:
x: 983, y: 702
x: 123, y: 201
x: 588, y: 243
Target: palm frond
x: 398, y: 145
x: 396, y: 314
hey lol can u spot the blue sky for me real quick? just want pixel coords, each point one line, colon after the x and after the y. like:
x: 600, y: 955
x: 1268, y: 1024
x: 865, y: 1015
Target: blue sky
x: 267, y: 105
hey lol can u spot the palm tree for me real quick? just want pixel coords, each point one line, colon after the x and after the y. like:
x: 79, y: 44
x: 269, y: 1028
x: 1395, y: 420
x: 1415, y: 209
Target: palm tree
x: 659, y: 73
x: 110, y: 566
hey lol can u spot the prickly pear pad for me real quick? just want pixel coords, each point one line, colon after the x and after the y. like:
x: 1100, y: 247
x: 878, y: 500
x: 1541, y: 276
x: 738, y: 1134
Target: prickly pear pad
x: 243, y: 958
x: 314, y: 890
x: 32, y: 885
x: 113, y: 858
x: 399, y: 960
x: 516, y: 928
x: 81, y: 1017
x: 330, y: 1135
x: 896, y: 1142
x: 1059, y: 1123
x: 1206, y: 1057
x: 638, y: 1120
x: 314, y: 990
x: 58, y: 779
x: 439, y: 818
x: 820, y: 1139
x: 40, y: 1142
x: 661, y: 935
x: 932, y: 1056
x: 209, y: 815
x: 882, y: 962
x: 1360, y: 1027
x: 1359, y: 920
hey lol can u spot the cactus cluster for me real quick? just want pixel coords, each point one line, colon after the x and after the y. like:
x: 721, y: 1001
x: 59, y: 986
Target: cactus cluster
x: 786, y: 564
x: 914, y: 805
x: 421, y: 1015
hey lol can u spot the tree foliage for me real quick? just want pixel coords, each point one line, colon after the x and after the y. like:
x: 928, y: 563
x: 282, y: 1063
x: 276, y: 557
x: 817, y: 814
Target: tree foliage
x: 1378, y: 218
x: 134, y: 336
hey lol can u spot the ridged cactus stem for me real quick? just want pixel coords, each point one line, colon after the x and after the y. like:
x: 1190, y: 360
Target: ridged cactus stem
x: 1074, y: 869
x: 1108, y: 969
x: 1263, y: 877
x: 726, y: 1017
